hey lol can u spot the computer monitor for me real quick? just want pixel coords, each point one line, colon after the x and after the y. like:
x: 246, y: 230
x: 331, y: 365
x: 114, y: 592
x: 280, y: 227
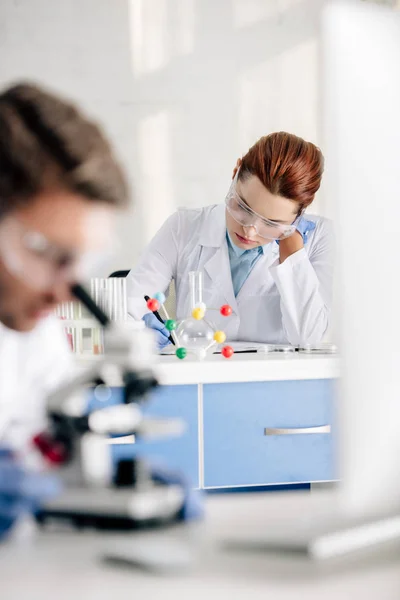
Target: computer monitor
x: 361, y: 114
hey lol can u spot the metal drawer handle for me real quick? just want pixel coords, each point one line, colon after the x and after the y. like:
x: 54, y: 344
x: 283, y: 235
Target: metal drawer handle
x: 296, y: 430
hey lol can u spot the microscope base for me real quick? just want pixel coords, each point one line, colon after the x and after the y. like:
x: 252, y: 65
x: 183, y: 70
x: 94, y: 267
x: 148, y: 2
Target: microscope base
x: 116, y: 508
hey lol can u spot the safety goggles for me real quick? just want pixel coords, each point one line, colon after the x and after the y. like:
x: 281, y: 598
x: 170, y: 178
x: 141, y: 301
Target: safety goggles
x: 39, y: 263
x: 246, y: 217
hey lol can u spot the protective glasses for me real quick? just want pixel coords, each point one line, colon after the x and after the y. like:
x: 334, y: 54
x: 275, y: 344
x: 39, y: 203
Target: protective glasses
x: 39, y: 263
x: 246, y: 217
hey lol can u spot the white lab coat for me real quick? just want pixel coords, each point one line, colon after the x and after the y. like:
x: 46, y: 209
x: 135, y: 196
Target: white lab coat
x: 278, y: 303
x: 31, y: 365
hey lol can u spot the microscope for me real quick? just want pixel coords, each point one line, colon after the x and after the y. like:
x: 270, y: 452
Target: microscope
x: 98, y: 493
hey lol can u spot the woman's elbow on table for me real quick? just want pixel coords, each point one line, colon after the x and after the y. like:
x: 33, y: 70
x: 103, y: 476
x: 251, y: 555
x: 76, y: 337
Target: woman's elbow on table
x: 310, y: 330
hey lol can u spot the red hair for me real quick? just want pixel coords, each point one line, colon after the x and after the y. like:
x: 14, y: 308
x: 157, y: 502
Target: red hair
x: 286, y: 165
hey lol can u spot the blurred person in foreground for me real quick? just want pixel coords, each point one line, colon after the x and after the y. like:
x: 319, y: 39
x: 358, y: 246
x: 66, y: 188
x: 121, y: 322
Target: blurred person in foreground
x: 60, y: 186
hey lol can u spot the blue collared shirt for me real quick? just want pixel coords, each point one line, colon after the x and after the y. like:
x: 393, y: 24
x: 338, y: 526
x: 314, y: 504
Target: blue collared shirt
x: 242, y: 262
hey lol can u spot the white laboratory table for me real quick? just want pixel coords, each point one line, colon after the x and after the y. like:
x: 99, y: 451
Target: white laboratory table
x: 68, y: 565
x: 246, y: 367
x: 241, y: 368
x: 252, y: 420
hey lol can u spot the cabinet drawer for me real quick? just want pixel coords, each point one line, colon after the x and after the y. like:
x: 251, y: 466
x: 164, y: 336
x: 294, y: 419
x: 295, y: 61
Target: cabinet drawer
x: 262, y: 433
x: 179, y: 454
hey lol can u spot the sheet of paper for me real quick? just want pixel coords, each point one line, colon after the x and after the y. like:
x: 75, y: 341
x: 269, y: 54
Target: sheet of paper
x: 168, y: 350
x: 245, y: 347
x: 237, y: 347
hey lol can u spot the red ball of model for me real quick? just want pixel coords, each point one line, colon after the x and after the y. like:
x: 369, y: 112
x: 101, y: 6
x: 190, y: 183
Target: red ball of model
x: 226, y: 310
x: 153, y: 304
x: 227, y: 351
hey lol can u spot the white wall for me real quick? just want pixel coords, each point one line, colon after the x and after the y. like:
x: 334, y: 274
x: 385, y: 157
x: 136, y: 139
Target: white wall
x: 184, y: 87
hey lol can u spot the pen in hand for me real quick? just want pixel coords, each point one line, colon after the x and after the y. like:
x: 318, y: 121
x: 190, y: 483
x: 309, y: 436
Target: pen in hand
x: 159, y: 318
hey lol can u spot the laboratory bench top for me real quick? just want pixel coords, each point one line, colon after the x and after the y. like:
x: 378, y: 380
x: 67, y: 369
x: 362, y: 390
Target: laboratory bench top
x: 243, y: 367
x: 246, y: 367
x: 67, y: 564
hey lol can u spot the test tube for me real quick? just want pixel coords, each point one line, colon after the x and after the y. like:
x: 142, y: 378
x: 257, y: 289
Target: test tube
x: 78, y: 330
x: 115, y: 294
x: 110, y: 295
x: 124, y: 300
x: 74, y: 328
x: 93, y: 294
x: 112, y: 283
x: 196, y: 288
x: 92, y: 289
x: 69, y: 329
x: 95, y: 333
x: 106, y: 290
x: 121, y: 312
x: 116, y: 305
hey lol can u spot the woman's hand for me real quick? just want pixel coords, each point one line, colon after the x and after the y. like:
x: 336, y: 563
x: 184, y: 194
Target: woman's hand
x: 290, y: 245
x: 295, y: 242
x: 161, y: 332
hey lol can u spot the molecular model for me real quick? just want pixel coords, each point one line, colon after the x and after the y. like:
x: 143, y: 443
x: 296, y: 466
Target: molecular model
x: 193, y: 334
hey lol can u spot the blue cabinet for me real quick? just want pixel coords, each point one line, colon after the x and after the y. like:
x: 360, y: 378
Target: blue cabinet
x: 181, y: 453
x: 238, y: 453
x: 234, y: 450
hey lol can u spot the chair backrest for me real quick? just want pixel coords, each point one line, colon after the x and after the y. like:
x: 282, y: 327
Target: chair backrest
x: 170, y: 303
x: 120, y: 273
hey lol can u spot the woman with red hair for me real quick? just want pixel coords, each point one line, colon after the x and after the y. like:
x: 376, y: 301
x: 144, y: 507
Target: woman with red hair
x: 258, y: 251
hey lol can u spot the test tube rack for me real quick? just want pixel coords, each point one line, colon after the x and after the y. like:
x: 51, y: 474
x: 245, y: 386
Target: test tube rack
x: 84, y: 334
